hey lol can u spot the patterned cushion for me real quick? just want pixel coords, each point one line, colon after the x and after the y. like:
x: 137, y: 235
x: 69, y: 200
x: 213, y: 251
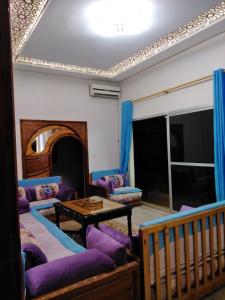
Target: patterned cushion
x: 21, y: 192
x: 117, y: 180
x: 46, y: 191
x: 126, y: 198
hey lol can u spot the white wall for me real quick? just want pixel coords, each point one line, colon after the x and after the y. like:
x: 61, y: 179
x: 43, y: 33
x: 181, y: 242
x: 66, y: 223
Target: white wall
x: 196, y: 62
x: 51, y: 97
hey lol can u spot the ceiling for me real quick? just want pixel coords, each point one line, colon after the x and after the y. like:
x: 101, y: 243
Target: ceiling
x: 53, y: 36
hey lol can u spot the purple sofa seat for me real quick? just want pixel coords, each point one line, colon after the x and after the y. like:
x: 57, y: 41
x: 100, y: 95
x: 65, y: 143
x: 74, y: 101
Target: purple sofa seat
x: 61, y: 272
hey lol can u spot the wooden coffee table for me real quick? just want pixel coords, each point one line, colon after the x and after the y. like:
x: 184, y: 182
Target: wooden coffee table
x: 85, y: 217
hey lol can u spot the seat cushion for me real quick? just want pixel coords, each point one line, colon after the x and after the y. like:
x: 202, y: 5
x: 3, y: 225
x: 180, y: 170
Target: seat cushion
x: 125, y: 190
x: 126, y: 198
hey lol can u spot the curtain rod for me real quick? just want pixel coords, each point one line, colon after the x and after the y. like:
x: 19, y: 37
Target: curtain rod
x: 175, y: 88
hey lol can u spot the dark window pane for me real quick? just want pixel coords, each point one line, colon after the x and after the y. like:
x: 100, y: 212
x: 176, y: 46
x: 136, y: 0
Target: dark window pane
x: 150, y: 159
x: 192, y: 186
x: 191, y: 137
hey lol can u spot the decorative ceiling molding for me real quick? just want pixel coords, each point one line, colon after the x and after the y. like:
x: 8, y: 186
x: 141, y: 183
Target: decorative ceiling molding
x: 64, y: 67
x: 26, y: 13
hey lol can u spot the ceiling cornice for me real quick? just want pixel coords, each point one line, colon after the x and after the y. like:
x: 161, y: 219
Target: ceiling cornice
x: 26, y: 13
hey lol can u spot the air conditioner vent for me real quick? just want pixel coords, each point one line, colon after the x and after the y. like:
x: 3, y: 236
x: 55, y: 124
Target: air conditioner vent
x: 104, y: 91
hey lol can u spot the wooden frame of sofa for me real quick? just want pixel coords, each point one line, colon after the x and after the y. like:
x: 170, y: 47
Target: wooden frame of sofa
x: 199, y: 289
x: 120, y: 284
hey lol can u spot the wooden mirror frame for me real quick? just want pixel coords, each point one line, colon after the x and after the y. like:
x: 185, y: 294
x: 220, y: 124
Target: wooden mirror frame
x: 40, y: 165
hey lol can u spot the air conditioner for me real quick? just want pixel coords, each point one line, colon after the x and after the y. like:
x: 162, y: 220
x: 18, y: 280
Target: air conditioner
x: 105, y: 91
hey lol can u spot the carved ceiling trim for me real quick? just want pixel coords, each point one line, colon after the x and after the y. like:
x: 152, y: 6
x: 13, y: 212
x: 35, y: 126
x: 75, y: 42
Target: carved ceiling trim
x: 25, y: 15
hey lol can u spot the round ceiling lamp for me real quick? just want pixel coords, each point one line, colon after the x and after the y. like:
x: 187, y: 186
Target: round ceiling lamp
x: 119, y: 17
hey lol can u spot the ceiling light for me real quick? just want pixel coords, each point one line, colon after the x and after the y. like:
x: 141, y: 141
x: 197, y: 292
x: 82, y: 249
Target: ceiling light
x: 119, y: 17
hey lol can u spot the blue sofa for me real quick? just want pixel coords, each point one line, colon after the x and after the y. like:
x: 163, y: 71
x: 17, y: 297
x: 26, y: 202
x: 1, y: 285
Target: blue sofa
x: 124, y: 195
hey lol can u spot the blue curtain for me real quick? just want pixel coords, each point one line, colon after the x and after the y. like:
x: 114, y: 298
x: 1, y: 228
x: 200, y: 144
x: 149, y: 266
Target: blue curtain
x: 126, y: 135
x: 219, y: 132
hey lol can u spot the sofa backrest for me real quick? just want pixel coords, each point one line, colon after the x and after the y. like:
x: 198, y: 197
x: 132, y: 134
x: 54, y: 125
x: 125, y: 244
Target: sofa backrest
x: 181, y: 249
x: 98, y: 174
x: 37, y: 181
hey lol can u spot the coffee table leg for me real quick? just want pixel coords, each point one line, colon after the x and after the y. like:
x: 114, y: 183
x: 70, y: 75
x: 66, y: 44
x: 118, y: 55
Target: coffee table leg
x: 57, y: 217
x: 129, y: 223
x: 84, y: 229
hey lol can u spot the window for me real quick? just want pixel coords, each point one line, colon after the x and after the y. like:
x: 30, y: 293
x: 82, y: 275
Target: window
x: 192, y: 158
x: 191, y: 137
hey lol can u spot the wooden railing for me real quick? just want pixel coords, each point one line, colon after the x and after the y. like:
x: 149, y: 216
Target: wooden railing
x: 197, y: 264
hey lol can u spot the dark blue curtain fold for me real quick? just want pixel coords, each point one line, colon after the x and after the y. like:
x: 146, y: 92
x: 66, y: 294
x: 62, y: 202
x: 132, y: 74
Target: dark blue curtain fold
x: 219, y: 132
x: 126, y: 134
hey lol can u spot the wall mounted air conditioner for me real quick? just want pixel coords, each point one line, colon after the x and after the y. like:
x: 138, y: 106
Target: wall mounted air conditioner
x: 104, y: 91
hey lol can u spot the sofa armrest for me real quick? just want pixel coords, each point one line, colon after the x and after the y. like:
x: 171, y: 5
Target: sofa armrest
x: 94, y: 190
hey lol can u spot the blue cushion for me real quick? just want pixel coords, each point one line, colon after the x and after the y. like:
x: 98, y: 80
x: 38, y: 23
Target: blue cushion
x: 126, y: 190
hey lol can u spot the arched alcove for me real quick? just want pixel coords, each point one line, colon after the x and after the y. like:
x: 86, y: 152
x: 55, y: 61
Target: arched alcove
x: 68, y: 161
x: 40, y: 142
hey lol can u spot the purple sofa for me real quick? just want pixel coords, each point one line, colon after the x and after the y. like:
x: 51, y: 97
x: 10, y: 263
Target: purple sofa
x: 54, y: 261
x: 40, y: 191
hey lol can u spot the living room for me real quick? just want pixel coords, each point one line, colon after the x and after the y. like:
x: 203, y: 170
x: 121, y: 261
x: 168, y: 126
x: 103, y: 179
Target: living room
x: 51, y: 83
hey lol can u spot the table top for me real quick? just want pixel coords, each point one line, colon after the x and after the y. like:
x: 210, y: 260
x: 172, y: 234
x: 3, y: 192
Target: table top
x: 108, y: 205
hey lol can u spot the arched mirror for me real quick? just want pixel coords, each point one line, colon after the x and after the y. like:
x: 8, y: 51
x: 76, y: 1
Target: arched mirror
x: 56, y: 148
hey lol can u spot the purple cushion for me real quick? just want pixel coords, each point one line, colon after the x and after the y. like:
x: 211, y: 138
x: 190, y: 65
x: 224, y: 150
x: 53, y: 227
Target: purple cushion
x: 106, y: 185
x: 30, y: 193
x: 34, y: 255
x: 103, y: 242
x: 116, y: 235
x: 185, y: 208
x: 65, y: 192
x: 24, y: 205
x: 64, y: 271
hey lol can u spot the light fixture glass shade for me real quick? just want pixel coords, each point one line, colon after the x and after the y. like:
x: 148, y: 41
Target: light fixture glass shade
x: 119, y: 17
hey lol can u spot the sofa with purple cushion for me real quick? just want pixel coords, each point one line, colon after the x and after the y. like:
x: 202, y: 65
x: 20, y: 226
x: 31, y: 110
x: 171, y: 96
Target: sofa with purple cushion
x: 44, y: 190
x: 56, y: 267
x: 115, y: 186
